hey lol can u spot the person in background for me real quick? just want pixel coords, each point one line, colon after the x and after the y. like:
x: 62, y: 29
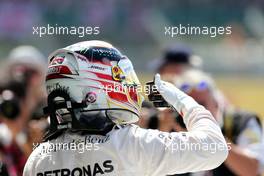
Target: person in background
x: 242, y: 129
x: 31, y: 58
x: 21, y: 93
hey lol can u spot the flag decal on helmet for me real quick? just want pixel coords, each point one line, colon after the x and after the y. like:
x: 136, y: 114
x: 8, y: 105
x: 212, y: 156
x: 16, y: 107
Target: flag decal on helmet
x: 117, y: 73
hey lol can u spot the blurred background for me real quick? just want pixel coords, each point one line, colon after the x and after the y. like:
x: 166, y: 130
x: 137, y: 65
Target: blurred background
x: 137, y: 28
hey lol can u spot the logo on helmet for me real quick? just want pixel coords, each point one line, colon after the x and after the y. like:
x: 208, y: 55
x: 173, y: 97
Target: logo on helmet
x: 117, y: 73
x: 91, y: 97
x: 57, y: 60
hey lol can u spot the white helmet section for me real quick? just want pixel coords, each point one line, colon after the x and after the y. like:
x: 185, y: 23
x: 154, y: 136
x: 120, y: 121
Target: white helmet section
x: 97, y: 73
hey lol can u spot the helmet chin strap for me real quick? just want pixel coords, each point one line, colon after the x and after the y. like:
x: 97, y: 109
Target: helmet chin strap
x: 91, y: 126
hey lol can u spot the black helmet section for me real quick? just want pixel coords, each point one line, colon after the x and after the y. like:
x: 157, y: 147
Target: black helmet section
x: 60, y: 104
x: 101, y: 54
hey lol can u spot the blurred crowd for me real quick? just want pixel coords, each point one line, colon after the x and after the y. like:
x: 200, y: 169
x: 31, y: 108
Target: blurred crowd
x: 117, y: 20
x: 16, y: 16
x: 23, y: 96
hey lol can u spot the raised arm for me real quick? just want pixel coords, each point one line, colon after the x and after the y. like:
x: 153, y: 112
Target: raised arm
x: 203, y: 147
